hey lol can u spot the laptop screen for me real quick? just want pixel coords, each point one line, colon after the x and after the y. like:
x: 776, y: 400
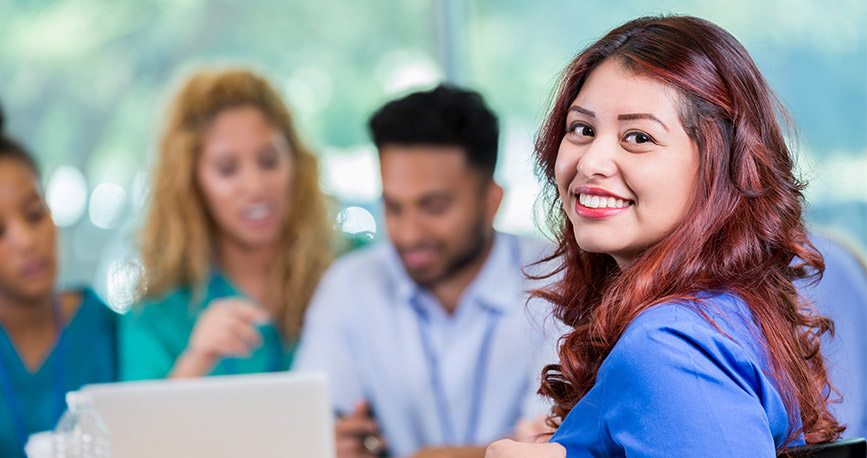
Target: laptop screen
x: 282, y: 414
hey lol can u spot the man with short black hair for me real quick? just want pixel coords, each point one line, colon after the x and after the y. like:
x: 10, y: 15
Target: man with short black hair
x: 429, y: 340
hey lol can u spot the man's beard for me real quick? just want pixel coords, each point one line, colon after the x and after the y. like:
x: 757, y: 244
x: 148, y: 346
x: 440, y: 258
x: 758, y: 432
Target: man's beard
x: 478, y: 239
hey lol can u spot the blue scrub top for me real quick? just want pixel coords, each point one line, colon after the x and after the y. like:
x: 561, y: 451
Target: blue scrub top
x: 674, y: 385
x: 87, y: 347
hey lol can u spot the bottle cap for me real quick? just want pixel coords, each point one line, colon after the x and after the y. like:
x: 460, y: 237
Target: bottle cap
x: 78, y: 398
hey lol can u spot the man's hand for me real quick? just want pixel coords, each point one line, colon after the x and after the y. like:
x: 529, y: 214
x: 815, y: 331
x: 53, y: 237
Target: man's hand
x: 357, y: 434
x: 508, y: 448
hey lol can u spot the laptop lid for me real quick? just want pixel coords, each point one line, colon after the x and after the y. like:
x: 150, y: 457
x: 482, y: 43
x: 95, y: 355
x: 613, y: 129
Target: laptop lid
x: 282, y: 414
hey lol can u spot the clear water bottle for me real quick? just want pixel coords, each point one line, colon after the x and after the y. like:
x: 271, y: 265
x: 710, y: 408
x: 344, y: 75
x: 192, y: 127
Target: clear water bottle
x: 80, y: 432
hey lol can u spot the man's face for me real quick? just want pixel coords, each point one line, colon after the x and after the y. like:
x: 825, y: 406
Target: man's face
x: 439, y: 210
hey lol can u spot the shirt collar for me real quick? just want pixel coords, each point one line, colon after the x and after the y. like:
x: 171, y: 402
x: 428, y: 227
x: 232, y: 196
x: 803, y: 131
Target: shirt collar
x: 499, y: 284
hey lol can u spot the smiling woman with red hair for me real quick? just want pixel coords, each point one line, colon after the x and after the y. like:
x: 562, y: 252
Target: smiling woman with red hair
x: 678, y: 217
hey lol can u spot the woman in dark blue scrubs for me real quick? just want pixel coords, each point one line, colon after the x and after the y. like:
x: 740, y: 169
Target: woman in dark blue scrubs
x: 51, y: 341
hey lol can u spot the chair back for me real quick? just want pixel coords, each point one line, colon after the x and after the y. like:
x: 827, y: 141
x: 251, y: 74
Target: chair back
x: 849, y: 448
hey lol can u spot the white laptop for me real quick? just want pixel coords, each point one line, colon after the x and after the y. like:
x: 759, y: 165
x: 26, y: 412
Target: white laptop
x: 282, y: 414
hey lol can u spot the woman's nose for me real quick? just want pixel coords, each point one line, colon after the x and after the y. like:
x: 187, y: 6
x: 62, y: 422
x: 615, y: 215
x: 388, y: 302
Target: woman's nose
x: 598, y: 159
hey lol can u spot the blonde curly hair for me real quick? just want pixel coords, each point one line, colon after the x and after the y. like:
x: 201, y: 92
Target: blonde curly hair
x: 177, y: 238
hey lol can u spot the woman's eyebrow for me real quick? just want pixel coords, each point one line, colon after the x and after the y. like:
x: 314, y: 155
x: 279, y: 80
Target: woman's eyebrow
x: 631, y: 116
x: 582, y: 110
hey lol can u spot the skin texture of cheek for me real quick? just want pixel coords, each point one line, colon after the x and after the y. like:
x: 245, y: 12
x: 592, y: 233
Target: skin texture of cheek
x: 7, y: 276
x: 564, y: 171
x: 668, y: 197
x: 28, y: 272
x: 217, y: 195
x: 280, y: 192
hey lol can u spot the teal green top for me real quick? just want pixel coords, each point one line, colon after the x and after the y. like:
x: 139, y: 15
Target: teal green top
x: 85, y: 353
x: 155, y: 333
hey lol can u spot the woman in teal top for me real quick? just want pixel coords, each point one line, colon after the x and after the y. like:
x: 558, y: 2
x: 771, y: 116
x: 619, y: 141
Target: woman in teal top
x: 50, y: 342
x: 236, y: 236
x: 158, y: 331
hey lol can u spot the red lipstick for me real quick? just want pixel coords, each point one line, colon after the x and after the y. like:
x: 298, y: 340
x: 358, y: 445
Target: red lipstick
x: 598, y: 213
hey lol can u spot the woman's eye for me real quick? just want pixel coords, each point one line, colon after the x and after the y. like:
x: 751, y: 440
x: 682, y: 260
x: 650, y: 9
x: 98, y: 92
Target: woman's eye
x: 639, y: 137
x: 227, y: 168
x: 36, y: 214
x: 268, y: 161
x: 582, y: 130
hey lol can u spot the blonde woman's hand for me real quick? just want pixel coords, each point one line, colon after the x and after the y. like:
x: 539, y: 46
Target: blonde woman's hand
x: 508, y: 448
x: 226, y: 328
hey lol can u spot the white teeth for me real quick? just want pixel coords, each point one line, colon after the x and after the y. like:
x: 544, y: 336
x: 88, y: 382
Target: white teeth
x: 257, y: 211
x: 601, y: 202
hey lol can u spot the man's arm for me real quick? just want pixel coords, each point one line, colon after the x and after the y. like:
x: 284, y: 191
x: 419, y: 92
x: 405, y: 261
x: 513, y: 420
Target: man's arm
x: 326, y: 346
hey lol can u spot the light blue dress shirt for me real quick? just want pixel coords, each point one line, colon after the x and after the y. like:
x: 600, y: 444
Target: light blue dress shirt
x: 674, y: 385
x: 842, y: 296
x: 432, y: 379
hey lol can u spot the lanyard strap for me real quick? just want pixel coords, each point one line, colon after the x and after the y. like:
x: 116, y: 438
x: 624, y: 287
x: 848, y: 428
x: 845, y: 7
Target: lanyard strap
x: 435, y: 370
x: 58, y: 382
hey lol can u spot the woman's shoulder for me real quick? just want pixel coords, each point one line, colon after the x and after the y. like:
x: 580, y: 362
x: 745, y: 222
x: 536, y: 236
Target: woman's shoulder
x: 184, y: 297
x: 176, y: 306
x: 182, y: 302
x: 90, y: 312
x: 175, y: 295
x: 717, y: 326
x: 687, y: 359
x: 84, y: 302
x: 92, y: 301
x: 715, y: 312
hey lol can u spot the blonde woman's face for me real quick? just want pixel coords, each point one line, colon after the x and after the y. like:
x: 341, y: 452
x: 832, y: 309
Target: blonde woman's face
x: 244, y: 173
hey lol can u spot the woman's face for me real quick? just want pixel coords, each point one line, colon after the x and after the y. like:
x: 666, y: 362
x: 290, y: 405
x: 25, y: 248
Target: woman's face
x: 244, y: 173
x: 626, y: 167
x: 27, y: 236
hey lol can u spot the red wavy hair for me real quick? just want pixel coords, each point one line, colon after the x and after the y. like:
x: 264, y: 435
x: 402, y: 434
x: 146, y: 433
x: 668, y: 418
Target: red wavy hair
x: 744, y: 228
